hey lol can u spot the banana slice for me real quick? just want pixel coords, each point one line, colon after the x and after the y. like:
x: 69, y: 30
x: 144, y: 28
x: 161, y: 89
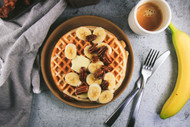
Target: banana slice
x: 106, y: 96
x: 70, y: 51
x: 100, y: 33
x: 82, y: 32
x: 94, y: 92
x: 95, y: 66
x: 104, y: 44
x: 83, y: 96
x: 78, y: 62
x: 111, y: 79
x: 72, y: 79
x: 90, y: 79
x: 86, y: 52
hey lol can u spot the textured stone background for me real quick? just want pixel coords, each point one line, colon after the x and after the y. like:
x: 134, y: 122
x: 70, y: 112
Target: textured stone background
x: 48, y: 111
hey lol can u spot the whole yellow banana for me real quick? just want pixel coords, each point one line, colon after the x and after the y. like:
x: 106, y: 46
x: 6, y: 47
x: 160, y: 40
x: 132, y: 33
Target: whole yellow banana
x: 181, y: 92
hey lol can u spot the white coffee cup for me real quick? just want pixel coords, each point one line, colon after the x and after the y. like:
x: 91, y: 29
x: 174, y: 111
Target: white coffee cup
x: 166, y: 15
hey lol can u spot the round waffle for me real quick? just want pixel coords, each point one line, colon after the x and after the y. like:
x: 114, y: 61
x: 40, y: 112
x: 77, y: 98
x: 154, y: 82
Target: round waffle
x: 60, y: 65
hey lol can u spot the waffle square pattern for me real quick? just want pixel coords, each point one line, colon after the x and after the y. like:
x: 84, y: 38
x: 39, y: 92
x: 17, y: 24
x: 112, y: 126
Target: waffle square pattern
x: 89, y: 64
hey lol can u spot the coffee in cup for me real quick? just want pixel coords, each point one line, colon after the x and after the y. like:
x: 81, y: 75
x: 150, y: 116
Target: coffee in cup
x: 150, y: 17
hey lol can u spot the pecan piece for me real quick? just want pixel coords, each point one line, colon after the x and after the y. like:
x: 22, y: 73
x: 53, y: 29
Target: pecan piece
x: 82, y: 74
x: 95, y: 59
x: 81, y: 89
x: 104, y: 85
x: 9, y: 5
x: 101, y: 52
x: 93, y: 48
x: 107, y: 59
x: 91, y: 37
x: 99, y: 73
x: 106, y: 68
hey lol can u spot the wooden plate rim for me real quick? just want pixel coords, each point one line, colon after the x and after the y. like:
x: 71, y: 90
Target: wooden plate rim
x: 74, y: 23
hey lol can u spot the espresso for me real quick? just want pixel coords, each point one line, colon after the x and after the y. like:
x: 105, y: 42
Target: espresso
x: 149, y: 16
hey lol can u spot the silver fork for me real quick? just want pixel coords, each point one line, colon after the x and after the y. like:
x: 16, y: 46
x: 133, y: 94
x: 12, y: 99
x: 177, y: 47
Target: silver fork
x: 146, y: 73
x: 148, y: 66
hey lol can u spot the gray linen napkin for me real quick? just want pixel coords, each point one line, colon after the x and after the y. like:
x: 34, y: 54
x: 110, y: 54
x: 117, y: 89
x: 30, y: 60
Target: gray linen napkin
x: 20, y: 40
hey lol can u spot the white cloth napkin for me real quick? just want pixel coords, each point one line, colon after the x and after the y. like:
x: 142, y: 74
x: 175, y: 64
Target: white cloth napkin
x: 20, y: 40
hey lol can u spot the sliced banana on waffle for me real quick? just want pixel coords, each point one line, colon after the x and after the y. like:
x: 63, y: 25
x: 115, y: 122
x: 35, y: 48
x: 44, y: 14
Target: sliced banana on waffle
x: 70, y: 51
x: 106, y: 96
x: 104, y: 44
x: 87, y: 53
x: 95, y: 66
x: 94, y: 92
x: 90, y: 79
x: 72, y: 79
x: 100, y: 33
x: 82, y: 32
x: 83, y: 96
x: 111, y: 79
x: 78, y: 62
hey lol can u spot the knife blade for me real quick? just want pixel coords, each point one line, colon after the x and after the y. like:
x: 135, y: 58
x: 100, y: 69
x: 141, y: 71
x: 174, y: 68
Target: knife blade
x: 160, y: 60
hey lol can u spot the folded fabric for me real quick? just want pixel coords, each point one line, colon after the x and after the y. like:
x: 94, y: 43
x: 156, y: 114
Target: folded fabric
x: 19, y: 44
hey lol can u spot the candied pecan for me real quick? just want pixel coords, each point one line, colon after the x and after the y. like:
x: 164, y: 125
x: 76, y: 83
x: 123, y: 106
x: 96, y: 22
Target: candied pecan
x: 9, y: 6
x: 101, y: 52
x: 106, y: 68
x: 103, y: 67
x: 104, y: 85
x: 93, y: 48
x: 91, y: 37
x: 107, y: 59
x: 82, y: 74
x: 95, y: 59
x: 99, y: 73
x: 81, y: 89
x: 6, y: 9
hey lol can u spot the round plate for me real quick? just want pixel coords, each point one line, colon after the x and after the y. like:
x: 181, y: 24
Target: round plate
x: 66, y: 27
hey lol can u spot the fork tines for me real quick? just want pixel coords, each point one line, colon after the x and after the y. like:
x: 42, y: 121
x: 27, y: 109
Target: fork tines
x: 151, y: 58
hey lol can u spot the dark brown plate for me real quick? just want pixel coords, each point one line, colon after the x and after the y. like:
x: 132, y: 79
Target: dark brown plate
x: 66, y: 27
x: 19, y: 10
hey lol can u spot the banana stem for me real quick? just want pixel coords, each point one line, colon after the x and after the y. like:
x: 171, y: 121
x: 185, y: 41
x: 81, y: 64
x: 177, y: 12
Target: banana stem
x: 172, y: 27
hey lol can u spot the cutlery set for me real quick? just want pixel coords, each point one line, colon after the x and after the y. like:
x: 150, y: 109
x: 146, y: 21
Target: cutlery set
x: 151, y: 64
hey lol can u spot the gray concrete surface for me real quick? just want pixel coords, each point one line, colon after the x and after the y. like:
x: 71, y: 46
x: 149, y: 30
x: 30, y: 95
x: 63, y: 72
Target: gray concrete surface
x: 48, y: 111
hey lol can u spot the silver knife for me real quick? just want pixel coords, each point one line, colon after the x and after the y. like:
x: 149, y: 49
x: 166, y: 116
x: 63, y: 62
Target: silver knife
x: 160, y: 60
x: 138, y: 99
x: 113, y: 117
